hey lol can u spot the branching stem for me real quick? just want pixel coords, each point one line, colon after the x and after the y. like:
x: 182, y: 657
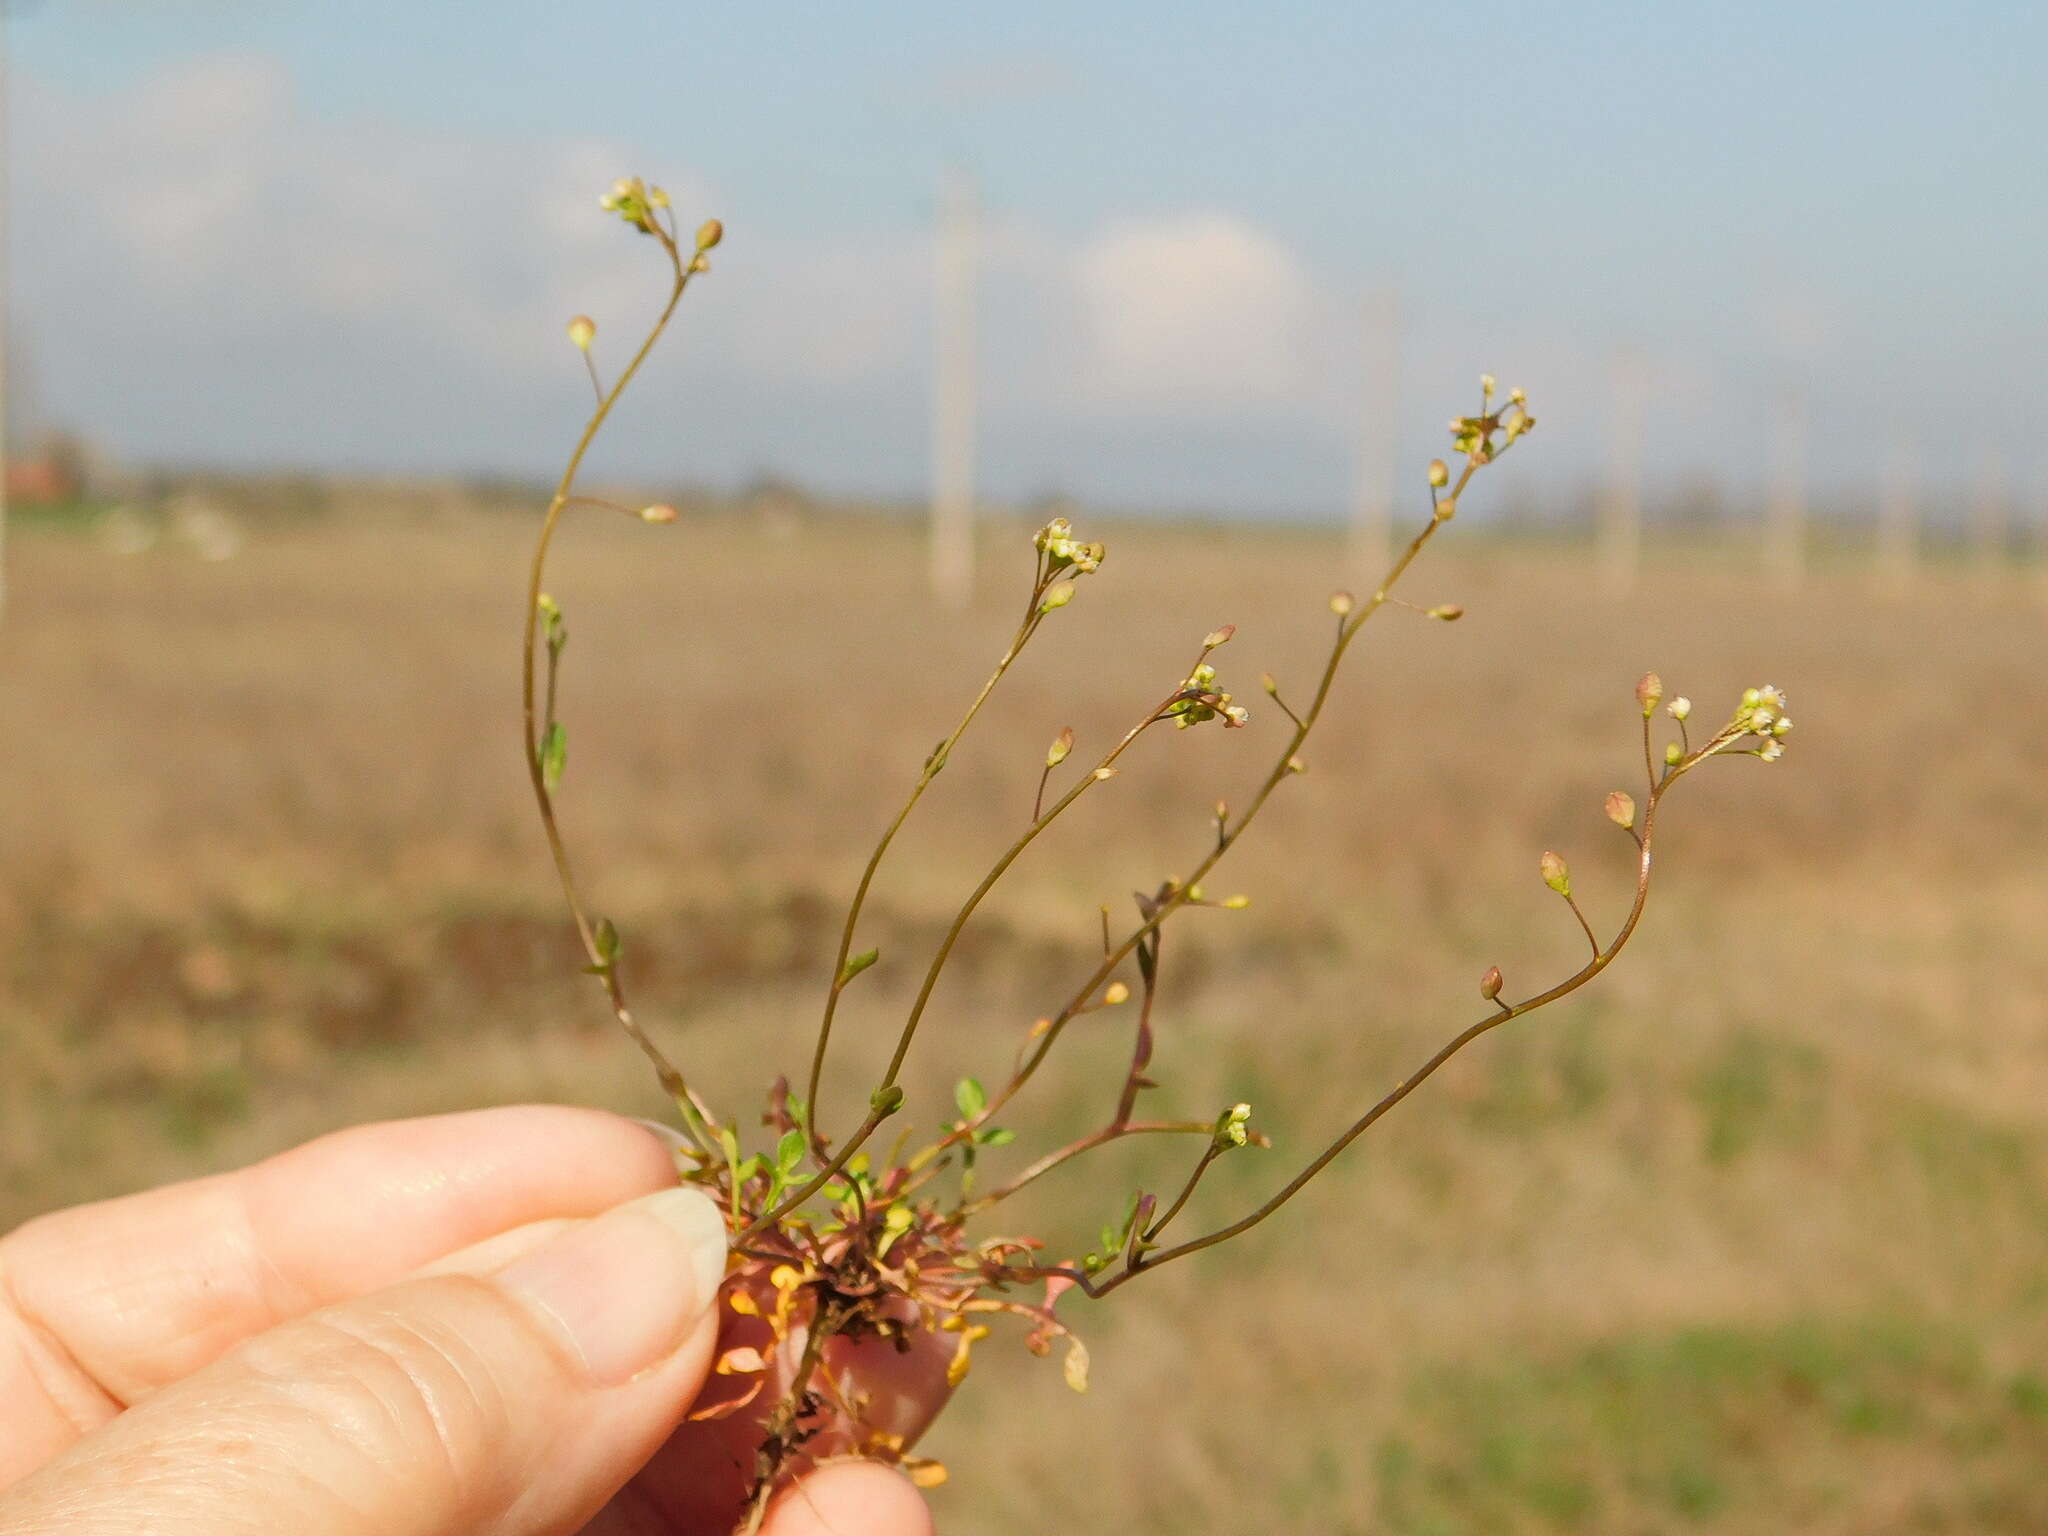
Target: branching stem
x: 697, y: 1119
x: 1601, y: 959
x: 932, y: 768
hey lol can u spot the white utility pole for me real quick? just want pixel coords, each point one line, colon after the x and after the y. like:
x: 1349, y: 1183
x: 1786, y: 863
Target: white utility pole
x: 1988, y: 520
x: 953, y: 392
x: 1372, y: 508
x: 1898, y: 522
x: 1785, y: 512
x: 1621, y: 496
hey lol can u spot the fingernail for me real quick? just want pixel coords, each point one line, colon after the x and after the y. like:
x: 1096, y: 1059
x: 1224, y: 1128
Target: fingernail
x: 667, y: 1135
x: 626, y: 1288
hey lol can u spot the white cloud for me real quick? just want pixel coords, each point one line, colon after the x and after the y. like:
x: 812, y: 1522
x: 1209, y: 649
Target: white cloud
x: 212, y: 270
x: 213, y: 209
x: 1195, y: 310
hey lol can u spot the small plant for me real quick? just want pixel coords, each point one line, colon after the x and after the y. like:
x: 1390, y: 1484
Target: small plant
x: 840, y: 1248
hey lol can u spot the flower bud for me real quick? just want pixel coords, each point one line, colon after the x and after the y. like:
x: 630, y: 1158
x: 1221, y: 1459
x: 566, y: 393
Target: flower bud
x: 1450, y: 613
x: 583, y: 331
x: 1340, y: 603
x: 1555, y: 874
x: 1230, y: 1127
x: 709, y: 233
x: 657, y: 198
x: 660, y: 512
x: 1267, y: 682
x: 1487, y: 385
x: 1621, y: 810
x: 1439, y: 473
x: 1061, y: 746
x: 1105, y: 773
x: 1236, y: 903
x: 1679, y: 708
x: 1116, y: 992
x: 1649, y: 693
x: 1058, y: 597
x: 1673, y: 754
x: 1447, y: 509
x: 1489, y: 984
x: 1217, y: 637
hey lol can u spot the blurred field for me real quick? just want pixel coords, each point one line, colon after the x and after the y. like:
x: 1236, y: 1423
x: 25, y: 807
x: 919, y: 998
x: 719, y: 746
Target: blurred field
x: 1751, y: 1237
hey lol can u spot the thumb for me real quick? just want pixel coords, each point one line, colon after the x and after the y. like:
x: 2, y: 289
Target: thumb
x: 482, y: 1404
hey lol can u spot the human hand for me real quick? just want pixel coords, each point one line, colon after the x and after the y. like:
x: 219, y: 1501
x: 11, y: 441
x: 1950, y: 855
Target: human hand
x: 485, y: 1324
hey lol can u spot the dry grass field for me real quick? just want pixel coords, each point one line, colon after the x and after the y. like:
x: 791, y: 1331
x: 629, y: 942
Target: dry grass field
x: 1750, y: 1237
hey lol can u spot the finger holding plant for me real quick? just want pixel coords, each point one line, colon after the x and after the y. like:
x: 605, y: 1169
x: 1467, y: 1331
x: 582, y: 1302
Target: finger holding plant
x: 845, y: 1257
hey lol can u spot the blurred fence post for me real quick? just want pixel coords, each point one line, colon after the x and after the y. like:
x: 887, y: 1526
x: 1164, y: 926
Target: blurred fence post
x: 1372, y: 508
x: 953, y: 392
x: 1621, y: 491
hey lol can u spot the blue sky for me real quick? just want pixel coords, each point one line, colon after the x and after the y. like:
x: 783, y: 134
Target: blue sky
x: 346, y: 235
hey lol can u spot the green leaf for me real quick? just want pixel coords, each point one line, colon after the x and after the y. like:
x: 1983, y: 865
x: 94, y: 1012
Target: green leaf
x: 1114, y: 1238
x: 748, y: 1169
x: 970, y: 1096
x: 858, y: 963
x: 789, y: 1151
x: 554, y: 755
x: 607, y: 941
x: 995, y: 1136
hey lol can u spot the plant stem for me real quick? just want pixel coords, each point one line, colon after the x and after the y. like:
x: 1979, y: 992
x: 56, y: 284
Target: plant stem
x: 933, y: 765
x: 672, y: 1080
x: 1600, y: 961
x: 1074, y: 1149
x: 1174, y: 900
x: 1209, y: 1155
x: 909, y: 1032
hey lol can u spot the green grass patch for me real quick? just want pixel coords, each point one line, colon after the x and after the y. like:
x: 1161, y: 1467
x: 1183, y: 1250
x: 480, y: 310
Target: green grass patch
x: 1673, y: 1431
x: 1754, y: 1088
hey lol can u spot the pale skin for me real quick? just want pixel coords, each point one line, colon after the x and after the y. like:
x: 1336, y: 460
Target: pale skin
x: 487, y: 1324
